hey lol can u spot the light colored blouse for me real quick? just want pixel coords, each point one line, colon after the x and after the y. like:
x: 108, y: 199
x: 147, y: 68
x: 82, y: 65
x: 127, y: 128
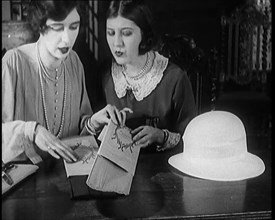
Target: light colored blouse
x: 22, y: 104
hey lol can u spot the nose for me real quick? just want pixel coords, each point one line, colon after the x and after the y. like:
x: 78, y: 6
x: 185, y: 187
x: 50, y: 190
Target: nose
x: 118, y: 40
x: 66, y: 36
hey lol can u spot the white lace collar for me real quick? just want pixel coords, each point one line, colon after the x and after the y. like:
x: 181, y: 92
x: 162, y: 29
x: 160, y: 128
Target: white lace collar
x: 143, y: 86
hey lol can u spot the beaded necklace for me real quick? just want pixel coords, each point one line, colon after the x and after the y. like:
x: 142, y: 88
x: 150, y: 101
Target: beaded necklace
x: 142, y: 72
x: 54, y: 79
x: 40, y: 64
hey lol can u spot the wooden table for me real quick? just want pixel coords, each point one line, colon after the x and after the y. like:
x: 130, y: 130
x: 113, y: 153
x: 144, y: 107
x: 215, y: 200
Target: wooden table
x: 158, y: 192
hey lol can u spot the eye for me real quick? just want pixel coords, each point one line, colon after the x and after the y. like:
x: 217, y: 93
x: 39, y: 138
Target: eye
x: 127, y: 33
x: 74, y: 26
x: 57, y: 28
x: 110, y: 32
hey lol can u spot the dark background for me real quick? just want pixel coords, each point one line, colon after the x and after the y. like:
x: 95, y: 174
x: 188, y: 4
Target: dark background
x: 200, y: 19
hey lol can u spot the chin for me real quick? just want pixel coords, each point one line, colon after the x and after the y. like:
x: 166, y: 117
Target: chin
x: 62, y: 56
x: 119, y: 60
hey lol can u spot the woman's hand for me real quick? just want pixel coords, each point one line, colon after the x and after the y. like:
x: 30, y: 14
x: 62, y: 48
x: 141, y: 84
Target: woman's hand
x: 147, y: 135
x: 102, y: 117
x: 51, y: 144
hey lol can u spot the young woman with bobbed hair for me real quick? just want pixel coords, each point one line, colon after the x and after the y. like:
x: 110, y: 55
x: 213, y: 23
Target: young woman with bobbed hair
x: 157, y: 91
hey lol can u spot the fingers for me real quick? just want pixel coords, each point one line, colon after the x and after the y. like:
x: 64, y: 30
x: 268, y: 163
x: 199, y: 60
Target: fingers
x: 57, y: 149
x: 127, y: 110
x: 113, y: 114
x: 64, y: 151
x: 51, y: 152
x: 57, y: 152
x: 123, y: 118
x: 140, y: 135
x: 63, y: 154
x: 118, y: 117
x: 137, y: 133
x: 137, y: 130
x: 68, y: 151
x: 145, y: 135
x: 123, y: 112
x: 145, y: 144
x: 50, y: 143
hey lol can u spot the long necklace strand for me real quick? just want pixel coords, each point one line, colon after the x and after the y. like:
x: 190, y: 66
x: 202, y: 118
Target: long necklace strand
x: 44, y: 100
x: 55, y: 79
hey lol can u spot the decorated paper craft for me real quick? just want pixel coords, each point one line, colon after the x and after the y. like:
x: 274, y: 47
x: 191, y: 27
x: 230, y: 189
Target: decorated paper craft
x: 123, y: 138
x: 115, y: 163
x: 118, y: 146
x: 86, y: 149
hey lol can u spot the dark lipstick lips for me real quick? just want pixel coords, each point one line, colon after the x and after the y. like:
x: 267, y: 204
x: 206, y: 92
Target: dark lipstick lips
x: 118, y: 53
x: 64, y: 49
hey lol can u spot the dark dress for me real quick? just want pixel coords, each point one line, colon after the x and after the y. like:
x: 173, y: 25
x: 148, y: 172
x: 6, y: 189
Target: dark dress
x: 170, y: 105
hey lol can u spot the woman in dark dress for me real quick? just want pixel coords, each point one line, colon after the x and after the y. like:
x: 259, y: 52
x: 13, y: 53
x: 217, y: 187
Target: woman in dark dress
x: 158, y: 91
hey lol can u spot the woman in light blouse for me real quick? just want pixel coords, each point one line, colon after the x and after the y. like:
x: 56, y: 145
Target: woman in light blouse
x: 44, y: 97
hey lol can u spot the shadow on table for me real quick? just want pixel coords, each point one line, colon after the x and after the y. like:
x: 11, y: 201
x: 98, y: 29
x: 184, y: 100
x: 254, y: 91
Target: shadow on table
x: 201, y: 196
x: 139, y: 204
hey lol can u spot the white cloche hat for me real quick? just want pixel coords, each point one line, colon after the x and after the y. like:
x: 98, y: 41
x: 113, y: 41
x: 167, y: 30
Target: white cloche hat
x: 215, y: 148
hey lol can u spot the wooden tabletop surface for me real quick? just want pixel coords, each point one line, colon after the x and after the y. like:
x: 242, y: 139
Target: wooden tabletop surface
x: 158, y: 192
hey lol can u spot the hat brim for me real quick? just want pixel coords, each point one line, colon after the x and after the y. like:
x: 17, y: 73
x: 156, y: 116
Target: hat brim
x: 220, y: 170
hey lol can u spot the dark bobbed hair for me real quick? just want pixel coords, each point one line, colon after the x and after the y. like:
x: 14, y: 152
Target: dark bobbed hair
x: 40, y: 11
x: 138, y: 12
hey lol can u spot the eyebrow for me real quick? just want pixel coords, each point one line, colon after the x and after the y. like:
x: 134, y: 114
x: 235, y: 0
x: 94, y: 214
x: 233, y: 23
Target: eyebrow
x: 61, y: 24
x: 125, y: 28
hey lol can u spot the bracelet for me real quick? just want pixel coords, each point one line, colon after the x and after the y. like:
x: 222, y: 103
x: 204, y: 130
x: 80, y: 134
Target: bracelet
x: 91, y: 127
x: 166, y: 135
x: 35, y: 132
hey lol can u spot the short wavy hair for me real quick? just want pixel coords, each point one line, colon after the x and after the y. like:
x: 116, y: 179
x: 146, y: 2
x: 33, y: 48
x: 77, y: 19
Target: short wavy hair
x: 40, y: 11
x: 138, y: 12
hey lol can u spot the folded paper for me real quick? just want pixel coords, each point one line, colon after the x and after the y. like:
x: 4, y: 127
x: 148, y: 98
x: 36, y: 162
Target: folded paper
x: 114, y: 166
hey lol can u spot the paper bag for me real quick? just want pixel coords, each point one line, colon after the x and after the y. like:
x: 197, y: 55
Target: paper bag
x: 115, y: 163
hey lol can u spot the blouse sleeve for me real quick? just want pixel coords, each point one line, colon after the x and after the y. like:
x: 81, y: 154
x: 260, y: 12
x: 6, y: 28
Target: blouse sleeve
x: 85, y: 106
x: 17, y: 136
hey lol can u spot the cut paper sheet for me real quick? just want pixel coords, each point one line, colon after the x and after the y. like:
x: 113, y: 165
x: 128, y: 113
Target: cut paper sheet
x: 115, y: 162
x: 118, y: 146
x: 86, y: 149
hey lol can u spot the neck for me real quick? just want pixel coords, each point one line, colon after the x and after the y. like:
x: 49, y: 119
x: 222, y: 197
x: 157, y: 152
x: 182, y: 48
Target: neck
x: 50, y: 62
x: 135, y: 68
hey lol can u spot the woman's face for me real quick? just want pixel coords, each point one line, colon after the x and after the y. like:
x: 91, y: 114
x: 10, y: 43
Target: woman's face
x: 123, y: 37
x: 60, y: 36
